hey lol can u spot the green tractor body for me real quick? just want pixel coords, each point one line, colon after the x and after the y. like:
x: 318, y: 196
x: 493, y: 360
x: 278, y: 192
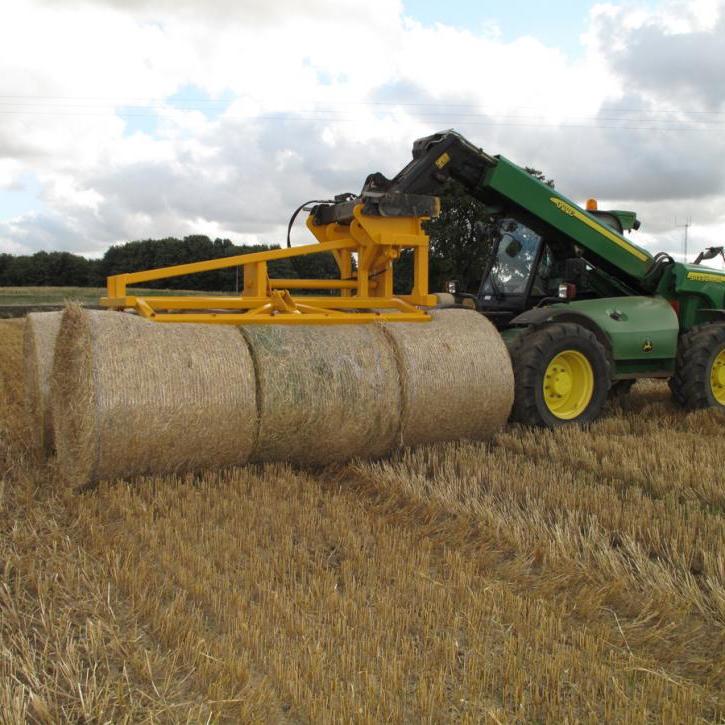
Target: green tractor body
x: 640, y: 330
x: 583, y: 309
x: 652, y: 316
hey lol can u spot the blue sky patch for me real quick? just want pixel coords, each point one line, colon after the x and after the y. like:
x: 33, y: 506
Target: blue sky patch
x: 554, y: 24
x: 193, y: 98
x: 138, y: 119
x: 145, y: 118
x: 21, y: 200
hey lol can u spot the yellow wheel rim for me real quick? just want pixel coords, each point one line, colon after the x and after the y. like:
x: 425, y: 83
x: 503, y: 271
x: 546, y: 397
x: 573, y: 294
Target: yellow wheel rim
x: 717, y: 377
x: 568, y: 385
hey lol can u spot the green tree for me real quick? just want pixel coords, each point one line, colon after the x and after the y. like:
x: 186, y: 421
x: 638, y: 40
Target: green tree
x: 457, y: 250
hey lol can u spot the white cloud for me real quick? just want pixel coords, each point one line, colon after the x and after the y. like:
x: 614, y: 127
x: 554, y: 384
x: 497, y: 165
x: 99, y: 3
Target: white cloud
x: 322, y: 93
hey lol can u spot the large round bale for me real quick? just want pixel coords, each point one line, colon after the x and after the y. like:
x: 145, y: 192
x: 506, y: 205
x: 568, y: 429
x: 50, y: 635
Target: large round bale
x: 131, y: 396
x: 325, y: 393
x: 39, y: 337
x: 456, y: 377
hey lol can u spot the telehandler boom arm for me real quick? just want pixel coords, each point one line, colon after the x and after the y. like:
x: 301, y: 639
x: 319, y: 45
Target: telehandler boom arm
x: 505, y: 187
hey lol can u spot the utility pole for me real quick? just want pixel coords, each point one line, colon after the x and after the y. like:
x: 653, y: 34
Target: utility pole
x: 685, y: 226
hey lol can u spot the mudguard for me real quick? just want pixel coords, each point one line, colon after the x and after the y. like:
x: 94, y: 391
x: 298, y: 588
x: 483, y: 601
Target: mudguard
x: 631, y: 328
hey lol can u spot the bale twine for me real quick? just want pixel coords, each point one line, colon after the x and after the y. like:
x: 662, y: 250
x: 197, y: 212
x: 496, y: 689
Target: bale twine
x: 131, y: 396
x: 325, y: 394
x: 456, y: 375
x: 39, y: 337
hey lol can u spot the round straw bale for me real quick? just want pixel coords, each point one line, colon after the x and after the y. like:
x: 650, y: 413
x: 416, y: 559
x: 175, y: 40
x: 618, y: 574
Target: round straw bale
x: 131, y: 396
x: 456, y: 376
x: 39, y: 336
x: 444, y: 299
x: 325, y: 394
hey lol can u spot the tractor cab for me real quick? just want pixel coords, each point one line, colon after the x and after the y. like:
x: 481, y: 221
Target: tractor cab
x: 516, y: 271
x: 525, y: 270
x: 533, y: 267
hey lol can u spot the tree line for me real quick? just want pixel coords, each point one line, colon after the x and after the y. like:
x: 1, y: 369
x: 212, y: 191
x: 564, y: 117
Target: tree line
x: 63, y: 269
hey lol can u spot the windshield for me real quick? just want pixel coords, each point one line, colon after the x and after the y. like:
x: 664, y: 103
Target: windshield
x: 517, y: 251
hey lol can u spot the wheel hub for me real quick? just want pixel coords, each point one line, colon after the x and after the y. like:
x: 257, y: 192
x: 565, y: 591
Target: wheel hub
x: 568, y: 384
x: 562, y: 383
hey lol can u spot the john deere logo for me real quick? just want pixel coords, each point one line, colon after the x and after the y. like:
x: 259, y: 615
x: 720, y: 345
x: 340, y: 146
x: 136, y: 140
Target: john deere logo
x: 648, y: 346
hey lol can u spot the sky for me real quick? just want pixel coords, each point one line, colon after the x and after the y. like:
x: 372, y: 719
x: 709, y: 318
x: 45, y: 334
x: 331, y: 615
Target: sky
x: 134, y: 119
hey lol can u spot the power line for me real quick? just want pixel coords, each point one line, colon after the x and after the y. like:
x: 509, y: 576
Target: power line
x: 648, y: 120
x: 150, y: 102
x: 611, y: 123
x: 144, y: 111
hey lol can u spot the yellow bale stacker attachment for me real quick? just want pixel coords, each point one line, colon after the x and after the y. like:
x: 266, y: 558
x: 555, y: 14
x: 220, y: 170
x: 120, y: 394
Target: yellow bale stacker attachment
x: 276, y: 383
x: 364, y: 288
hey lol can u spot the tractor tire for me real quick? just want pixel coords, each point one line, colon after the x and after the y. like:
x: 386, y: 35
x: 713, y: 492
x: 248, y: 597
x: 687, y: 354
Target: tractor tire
x: 699, y: 379
x: 562, y: 376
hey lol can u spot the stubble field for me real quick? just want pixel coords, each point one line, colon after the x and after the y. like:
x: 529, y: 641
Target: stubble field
x: 560, y: 576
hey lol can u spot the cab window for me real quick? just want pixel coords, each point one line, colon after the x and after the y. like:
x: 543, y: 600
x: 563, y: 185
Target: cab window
x: 518, y: 249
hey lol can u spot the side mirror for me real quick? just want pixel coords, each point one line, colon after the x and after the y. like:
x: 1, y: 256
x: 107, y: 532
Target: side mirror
x: 712, y: 252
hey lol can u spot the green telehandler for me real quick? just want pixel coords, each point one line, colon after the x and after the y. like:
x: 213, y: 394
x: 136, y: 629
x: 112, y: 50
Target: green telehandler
x: 583, y: 310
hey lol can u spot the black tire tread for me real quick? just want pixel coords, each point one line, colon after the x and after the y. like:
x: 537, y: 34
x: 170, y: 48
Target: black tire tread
x: 690, y: 383
x: 527, y: 352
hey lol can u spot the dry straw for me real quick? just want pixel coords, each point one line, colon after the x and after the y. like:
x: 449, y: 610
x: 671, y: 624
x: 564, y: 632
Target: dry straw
x: 132, y: 397
x: 41, y: 332
x: 326, y: 394
x: 456, y: 377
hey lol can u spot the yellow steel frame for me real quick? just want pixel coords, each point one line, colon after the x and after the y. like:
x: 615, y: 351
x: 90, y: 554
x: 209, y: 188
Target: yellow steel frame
x: 365, y: 290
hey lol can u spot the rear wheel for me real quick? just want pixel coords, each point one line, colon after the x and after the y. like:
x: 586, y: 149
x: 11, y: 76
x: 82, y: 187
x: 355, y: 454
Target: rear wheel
x: 562, y: 376
x: 699, y: 379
